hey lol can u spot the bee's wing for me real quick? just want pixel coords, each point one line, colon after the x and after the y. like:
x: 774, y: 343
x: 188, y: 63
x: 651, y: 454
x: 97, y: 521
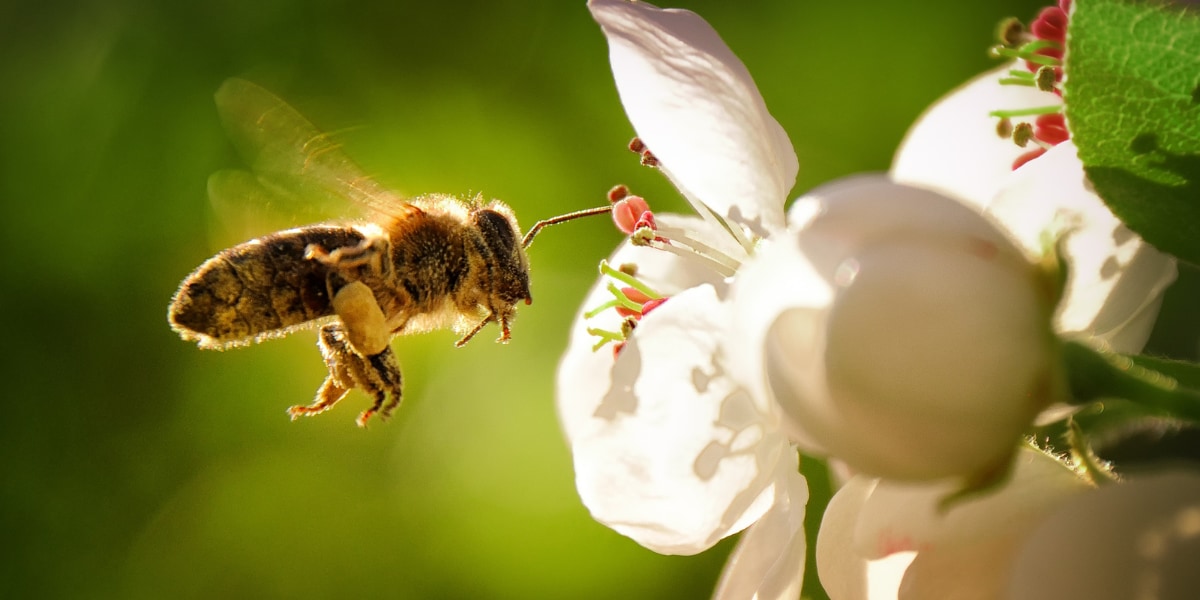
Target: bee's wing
x: 289, y: 156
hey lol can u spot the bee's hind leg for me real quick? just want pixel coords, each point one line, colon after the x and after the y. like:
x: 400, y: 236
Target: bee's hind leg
x: 377, y: 375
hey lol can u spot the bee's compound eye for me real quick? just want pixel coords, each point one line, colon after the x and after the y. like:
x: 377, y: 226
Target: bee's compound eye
x: 497, y: 232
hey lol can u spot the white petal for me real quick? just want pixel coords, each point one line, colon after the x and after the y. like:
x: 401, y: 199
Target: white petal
x: 1116, y: 280
x: 779, y: 278
x: 1140, y: 539
x: 768, y: 562
x: 953, y: 148
x: 882, y: 539
x: 694, y: 104
x: 978, y: 571
x: 676, y: 456
x: 846, y: 572
x: 900, y: 516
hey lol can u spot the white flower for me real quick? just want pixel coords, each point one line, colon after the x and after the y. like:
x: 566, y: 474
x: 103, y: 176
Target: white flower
x: 668, y: 448
x: 1113, y: 293
x: 678, y: 440
x: 1116, y: 280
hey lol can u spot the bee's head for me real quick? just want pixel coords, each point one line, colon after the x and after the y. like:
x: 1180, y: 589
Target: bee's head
x: 498, y: 229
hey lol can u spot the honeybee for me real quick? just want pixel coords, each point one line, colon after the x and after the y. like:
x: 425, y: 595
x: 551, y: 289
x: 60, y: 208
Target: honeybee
x: 419, y: 264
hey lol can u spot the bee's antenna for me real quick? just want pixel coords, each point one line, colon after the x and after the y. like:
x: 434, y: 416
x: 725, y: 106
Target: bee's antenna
x: 599, y: 210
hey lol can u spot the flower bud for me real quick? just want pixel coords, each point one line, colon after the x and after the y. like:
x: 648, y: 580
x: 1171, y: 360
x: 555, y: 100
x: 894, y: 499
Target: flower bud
x: 913, y: 339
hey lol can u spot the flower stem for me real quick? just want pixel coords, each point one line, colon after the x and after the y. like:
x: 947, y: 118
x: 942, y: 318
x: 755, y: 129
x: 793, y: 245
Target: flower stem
x: 1098, y: 374
x: 1096, y: 469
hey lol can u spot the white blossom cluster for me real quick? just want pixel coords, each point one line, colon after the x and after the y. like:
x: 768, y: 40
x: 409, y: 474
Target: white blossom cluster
x: 905, y: 326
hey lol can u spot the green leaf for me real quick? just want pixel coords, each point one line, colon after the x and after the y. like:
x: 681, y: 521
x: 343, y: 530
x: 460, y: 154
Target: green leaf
x: 1185, y: 372
x: 1132, y: 93
x: 1095, y: 374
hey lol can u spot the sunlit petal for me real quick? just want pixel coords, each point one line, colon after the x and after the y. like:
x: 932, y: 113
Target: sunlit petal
x: 908, y: 517
x: 676, y: 456
x: 768, y: 562
x: 694, y: 104
x: 584, y: 376
x: 845, y: 571
x: 889, y: 540
x: 1116, y: 279
x: 779, y: 278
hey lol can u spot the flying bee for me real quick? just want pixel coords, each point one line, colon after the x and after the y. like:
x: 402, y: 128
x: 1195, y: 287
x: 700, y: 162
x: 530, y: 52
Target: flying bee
x: 419, y: 264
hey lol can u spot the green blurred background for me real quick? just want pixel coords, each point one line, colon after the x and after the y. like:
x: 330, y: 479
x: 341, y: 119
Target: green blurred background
x: 137, y: 466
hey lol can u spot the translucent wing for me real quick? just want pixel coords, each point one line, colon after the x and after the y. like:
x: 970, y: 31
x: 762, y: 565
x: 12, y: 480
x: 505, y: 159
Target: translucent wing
x: 289, y: 156
x: 247, y: 205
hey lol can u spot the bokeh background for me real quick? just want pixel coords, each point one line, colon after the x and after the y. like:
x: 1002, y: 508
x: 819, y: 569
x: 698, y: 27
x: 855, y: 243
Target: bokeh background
x: 133, y: 465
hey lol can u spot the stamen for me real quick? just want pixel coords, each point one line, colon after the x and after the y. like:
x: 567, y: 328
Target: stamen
x: 735, y: 231
x: 627, y: 327
x: 1022, y: 134
x: 639, y: 299
x: 628, y: 212
x: 628, y: 280
x: 1046, y: 78
x: 605, y: 336
x: 646, y: 221
x: 1004, y: 128
x: 642, y: 236
x: 1041, y: 48
x: 1050, y: 24
x: 651, y: 305
x: 1040, y: 44
x: 599, y: 309
x: 636, y: 146
x: 617, y: 193
x: 1027, y: 55
x: 684, y: 237
x: 719, y: 267
x: 623, y: 301
x: 1010, y: 32
x: 1026, y: 112
x: 1026, y: 157
x: 1051, y: 129
x: 1025, y: 81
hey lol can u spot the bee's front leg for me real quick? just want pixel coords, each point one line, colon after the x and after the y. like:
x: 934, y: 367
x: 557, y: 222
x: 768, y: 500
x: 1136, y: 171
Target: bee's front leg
x: 377, y: 374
